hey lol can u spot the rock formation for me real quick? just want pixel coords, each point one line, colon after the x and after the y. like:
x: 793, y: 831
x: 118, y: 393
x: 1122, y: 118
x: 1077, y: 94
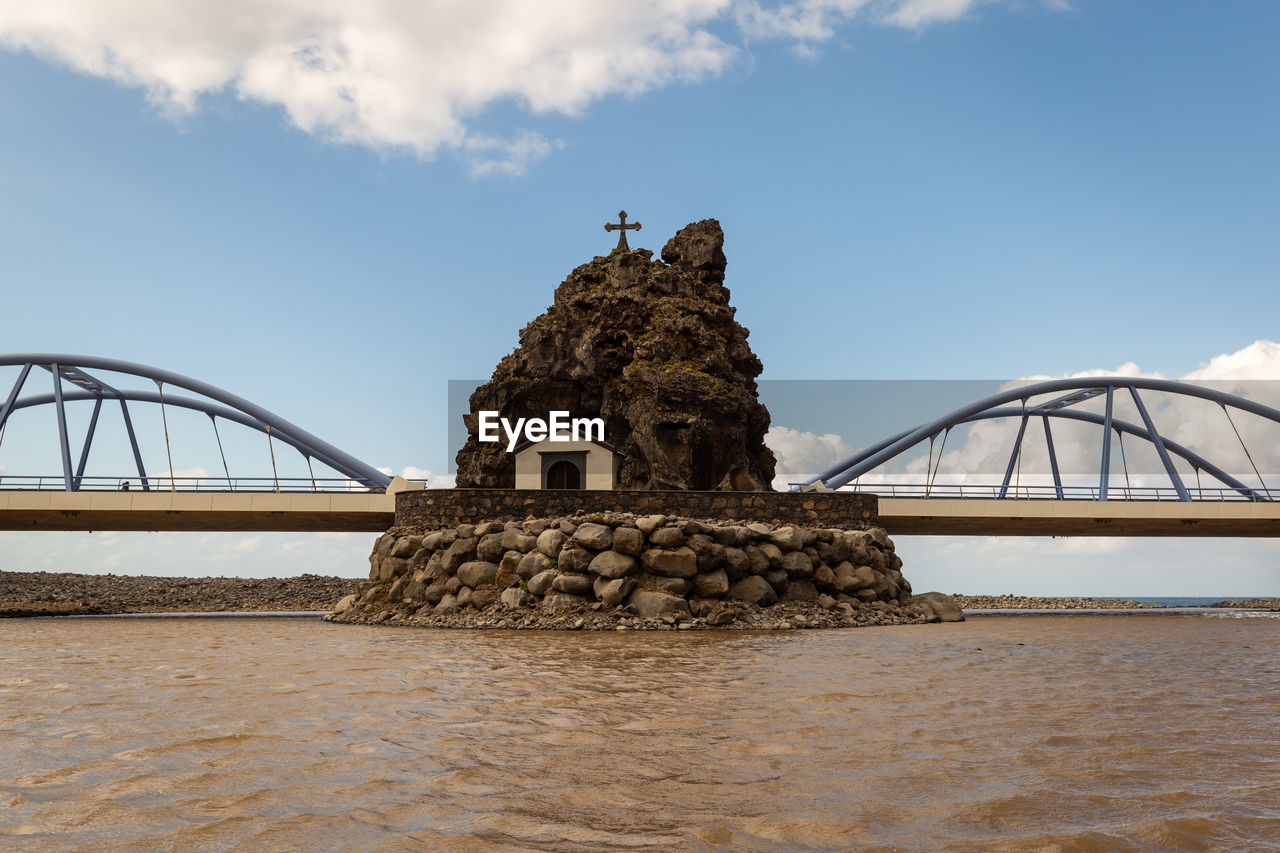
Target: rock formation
x: 651, y: 347
x: 610, y: 570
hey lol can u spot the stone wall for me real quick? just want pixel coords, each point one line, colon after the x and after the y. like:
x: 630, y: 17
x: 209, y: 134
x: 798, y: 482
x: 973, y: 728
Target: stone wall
x: 438, y: 508
x: 610, y: 570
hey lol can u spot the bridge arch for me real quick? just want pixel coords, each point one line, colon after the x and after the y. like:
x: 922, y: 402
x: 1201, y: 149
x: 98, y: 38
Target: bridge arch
x: 1076, y: 391
x: 213, y: 401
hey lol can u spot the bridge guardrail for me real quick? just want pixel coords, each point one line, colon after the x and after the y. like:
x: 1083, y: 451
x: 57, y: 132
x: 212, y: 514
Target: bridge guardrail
x: 953, y: 491
x: 16, y: 482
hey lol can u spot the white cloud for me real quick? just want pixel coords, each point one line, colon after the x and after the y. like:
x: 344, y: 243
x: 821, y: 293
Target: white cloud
x: 1259, y: 360
x: 395, y: 74
x: 802, y: 454
x: 980, y: 454
x: 416, y: 75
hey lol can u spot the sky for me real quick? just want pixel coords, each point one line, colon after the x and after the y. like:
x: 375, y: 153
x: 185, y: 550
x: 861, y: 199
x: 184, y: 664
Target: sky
x: 334, y: 208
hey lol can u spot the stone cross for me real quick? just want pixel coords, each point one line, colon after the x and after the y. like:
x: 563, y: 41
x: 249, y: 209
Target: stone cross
x: 622, y: 229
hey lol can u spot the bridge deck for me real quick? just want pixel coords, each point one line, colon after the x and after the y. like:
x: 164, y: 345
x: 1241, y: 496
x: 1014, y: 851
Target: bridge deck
x: 224, y: 511
x: 939, y: 516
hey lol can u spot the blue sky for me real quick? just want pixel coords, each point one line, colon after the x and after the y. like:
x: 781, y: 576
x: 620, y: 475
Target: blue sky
x: 333, y: 214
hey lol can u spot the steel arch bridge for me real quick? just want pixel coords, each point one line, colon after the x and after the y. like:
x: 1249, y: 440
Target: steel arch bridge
x: 1070, y: 393
x: 213, y: 401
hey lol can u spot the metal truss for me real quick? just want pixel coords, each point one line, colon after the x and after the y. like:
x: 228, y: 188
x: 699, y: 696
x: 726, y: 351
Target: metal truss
x: 1073, y: 392
x: 213, y: 401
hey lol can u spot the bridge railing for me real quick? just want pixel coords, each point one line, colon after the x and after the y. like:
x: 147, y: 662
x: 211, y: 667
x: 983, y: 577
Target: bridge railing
x: 969, y: 491
x: 185, y: 484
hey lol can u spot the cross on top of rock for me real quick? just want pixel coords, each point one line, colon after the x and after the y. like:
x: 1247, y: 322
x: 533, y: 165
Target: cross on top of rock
x: 622, y: 230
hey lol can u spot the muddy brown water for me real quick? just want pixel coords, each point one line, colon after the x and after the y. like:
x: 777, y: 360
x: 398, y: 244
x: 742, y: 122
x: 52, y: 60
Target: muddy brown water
x: 1097, y: 732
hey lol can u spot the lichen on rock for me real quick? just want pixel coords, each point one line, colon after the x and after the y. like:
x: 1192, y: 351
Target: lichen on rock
x: 652, y: 348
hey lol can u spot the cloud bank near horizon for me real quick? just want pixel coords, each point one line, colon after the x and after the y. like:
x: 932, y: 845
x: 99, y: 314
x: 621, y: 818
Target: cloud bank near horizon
x: 422, y: 77
x: 984, y: 447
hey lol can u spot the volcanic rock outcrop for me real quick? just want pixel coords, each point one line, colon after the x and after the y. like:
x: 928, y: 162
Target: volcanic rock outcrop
x: 653, y: 349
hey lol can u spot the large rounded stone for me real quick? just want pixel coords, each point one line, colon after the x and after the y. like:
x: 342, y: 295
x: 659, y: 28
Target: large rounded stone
x: 757, y: 559
x: 517, y: 597
x: 732, y: 535
x: 675, y: 586
x: 611, y: 564
x: 490, y: 548
x: 613, y: 592
x: 797, y: 564
x: 667, y: 537
x: 711, y: 584
x: 532, y: 563
x: 561, y: 600
x: 392, y: 566
x: 459, y: 552
x: 865, y: 576
x: 752, y: 589
x: 671, y: 562
x: 550, y: 542
x: 787, y: 538
x: 650, y: 523
x: 736, y: 563
x: 628, y: 540
x: 574, y: 560
x: 709, y: 552
x: 405, y: 546
x: 595, y: 536
x: 943, y: 606
x: 540, y: 584
x: 572, y: 584
x: 652, y: 604
x: 800, y: 591
x: 772, y: 552
x: 477, y: 573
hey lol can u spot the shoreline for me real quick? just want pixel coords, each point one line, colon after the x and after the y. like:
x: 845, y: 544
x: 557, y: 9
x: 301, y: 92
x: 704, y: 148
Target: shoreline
x: 34, y: 594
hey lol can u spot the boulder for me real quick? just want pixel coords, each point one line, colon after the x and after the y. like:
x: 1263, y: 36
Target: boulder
x: 800, y: 591
x: 490, y: 548
x: 345, y: 603
x: 797, y: 564
x: 613, y: 592
x: 667, y: 537
x: 561, y: 601
x: 459, y: 552
x: 675, y: 586
x: 572, y: 584
x: 573, y: 559
x: 650, y: 523
x: 752, y: 589
x: 711, y: 584
x: 517, y: 597
x: 391, y: 566
x: 598, y: 537
x: 652, y: 604
x: 533, y: 563
x: 477, y: 573
x: 787, y: 539
x: 672, y: 563
x: 611, y: 564
x: 550, y: 542
x: 628, y: 540
x: 944, y: 606
x: 540, y: 584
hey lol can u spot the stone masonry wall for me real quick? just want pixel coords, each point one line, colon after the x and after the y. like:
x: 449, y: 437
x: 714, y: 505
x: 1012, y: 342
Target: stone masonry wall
x: 437, y: 508
x: 608, y: 570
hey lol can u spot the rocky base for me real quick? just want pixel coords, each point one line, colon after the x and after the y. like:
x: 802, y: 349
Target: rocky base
x: 70, y: 594
x: 609, y: 571
x: 1025, y: 602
